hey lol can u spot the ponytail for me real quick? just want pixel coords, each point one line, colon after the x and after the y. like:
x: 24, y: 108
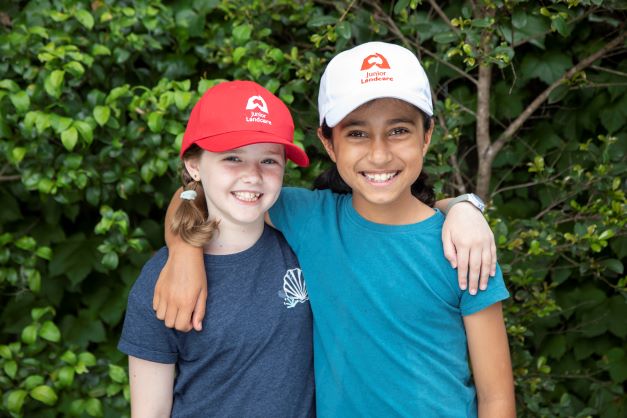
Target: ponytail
x: 191, y: 220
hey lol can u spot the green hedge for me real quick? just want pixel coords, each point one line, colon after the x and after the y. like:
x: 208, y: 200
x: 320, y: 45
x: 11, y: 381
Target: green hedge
x: 94, y: 98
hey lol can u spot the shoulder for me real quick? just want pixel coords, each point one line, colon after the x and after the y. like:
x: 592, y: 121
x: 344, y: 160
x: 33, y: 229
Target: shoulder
x: 496, y: 292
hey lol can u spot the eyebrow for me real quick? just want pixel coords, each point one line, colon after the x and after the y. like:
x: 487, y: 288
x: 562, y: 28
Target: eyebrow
x: 359, y: 122
x: 240, y: 151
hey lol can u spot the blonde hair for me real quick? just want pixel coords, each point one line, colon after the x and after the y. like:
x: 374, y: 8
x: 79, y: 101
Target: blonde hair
x: 191, y: 221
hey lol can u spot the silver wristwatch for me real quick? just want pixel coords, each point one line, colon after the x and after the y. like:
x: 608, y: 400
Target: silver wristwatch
x: 470, y: 198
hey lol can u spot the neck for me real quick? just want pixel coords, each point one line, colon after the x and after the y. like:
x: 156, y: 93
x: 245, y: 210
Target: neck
x: 232, y: 239
x: 405, y: 211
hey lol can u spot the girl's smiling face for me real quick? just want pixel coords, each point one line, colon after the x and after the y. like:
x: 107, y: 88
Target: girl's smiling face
x: 379, y: 149
x: 241, y: 184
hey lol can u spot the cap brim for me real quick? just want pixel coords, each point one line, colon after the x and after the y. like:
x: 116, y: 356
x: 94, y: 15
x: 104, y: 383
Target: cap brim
x: 231, y: 140
x: 340, y: 111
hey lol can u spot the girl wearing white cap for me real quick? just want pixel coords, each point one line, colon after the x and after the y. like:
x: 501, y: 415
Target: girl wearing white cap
x: 392, y: 328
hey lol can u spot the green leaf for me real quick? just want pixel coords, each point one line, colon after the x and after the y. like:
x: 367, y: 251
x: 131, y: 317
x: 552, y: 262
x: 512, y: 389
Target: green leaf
x: 26, y: 243
x: 9, y: 85
x: 94, y: 407
x: 50, y: 332
x: 87, y: 358
x: 10, y: 368
x: 613, y: 265
x: 18, y: 154
x: 519, y: 18
x: 99, y: 49
x: 29, y: 334
x: 44, y: 252
x: 75, y: 68
x: 242, y: 33
x: 44, y: 394
x: 445, y: 37
x: 318, y: 21
x: 547, y: 67
x: 65, y: 376
x: 69, y: 137
x: 155, y: 121
x: 85, y: 18
x: 182, y: 99
x: 38, y: 313
x: 21, y: 101
x: 617, y: 364
x: 5, y: 352
x: 344, y: 30
x: 33, y: 381
x: 15, y: 400
x: 110, y: 260
x: 54, y: 83
x: 102, y: 114
x: 558, y: 93
x: 117, y: 374
x: 85, y: 130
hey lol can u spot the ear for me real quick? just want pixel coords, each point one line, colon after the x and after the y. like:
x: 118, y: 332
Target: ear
x: 427, y: 140
x: 327, y: 143
x: 193, y: 167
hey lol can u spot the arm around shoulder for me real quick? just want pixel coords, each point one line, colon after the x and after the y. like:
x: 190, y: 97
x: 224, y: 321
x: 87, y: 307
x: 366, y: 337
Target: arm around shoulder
x: 491, y: 364
x: 151, y: 388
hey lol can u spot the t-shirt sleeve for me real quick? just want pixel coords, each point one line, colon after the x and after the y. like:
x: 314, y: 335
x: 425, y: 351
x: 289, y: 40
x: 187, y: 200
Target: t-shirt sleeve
x: 495, y: 292
x: 143, y: 335
x: 293, y: 213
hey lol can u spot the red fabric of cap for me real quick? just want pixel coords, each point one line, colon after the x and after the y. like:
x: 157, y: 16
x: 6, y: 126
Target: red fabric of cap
x: 238, y: 113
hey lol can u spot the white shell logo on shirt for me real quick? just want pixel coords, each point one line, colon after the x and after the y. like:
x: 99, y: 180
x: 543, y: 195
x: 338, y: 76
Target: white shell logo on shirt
x: 258, y: 110
x: 294, y: 288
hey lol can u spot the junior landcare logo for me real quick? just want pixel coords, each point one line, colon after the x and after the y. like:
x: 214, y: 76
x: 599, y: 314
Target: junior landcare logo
x: 258, y: 110
x: 381, y: 63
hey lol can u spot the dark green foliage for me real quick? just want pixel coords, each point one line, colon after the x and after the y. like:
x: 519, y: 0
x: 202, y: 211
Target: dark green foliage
x: 94, y: 98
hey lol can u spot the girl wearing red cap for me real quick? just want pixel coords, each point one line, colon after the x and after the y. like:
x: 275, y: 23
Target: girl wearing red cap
x: 244, y: 363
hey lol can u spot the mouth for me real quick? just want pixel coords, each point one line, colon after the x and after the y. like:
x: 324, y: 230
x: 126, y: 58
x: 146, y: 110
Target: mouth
x: 247, y: 197
x: 379, y: 177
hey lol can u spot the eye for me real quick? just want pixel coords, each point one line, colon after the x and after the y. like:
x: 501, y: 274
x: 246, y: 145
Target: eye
x: 232, y: 158
x: 269, y: 161
x: 399, y: 131
x: 356, y: 134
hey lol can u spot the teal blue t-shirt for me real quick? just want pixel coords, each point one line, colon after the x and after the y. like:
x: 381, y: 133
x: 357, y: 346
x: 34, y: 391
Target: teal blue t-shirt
x: 389, y: 338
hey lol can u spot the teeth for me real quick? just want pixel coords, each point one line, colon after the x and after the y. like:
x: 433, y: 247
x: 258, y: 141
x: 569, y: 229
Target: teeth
x: 247, y: 196
x: 379, y: 177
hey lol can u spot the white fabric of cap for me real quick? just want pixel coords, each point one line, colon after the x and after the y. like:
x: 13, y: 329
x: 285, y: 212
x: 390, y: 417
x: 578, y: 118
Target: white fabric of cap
x: 342, y: 87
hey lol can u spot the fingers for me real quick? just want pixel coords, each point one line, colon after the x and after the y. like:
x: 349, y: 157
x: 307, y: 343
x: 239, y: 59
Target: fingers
x: 493, y: 260
x: 162, y: 309
x: 462, y: 267
x: 486, y: 262
x: 449, y: 249
x: 170, y: 317
x: 474, y: 265
x: 183, y: 320
x: 199, y: 310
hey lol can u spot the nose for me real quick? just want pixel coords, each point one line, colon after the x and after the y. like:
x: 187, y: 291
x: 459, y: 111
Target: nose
x: 379, y: 152
x: 252, y: 174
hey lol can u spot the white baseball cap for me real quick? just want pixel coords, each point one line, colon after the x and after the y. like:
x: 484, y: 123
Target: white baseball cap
x: 369, y: 71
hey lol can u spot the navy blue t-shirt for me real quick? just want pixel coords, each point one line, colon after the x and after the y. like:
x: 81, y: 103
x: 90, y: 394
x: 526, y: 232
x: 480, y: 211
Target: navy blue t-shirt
x: 254, y: 356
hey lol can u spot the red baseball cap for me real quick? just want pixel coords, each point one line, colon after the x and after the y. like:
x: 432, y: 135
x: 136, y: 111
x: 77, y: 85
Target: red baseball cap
x: 234, y: 114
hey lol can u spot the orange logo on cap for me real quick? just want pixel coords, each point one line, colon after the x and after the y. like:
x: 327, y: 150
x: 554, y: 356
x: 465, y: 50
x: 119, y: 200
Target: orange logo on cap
x: 257, y: 102
x: 375, y: 60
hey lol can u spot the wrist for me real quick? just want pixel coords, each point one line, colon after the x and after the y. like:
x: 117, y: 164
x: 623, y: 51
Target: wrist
x: 469, y: 198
